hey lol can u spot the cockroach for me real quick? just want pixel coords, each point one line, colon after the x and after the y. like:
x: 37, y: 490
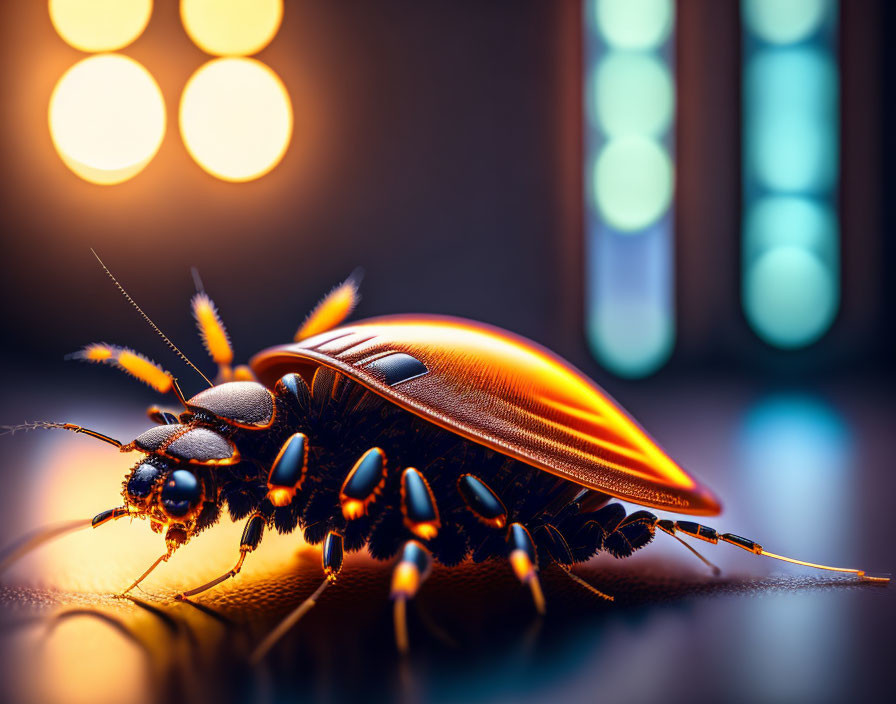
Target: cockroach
x: 427, y: 437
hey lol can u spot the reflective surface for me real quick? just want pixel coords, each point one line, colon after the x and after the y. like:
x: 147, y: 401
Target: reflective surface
x: 804, y: 474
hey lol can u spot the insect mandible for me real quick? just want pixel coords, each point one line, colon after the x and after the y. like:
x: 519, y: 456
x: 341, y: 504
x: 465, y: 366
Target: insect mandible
x: 431, y: 438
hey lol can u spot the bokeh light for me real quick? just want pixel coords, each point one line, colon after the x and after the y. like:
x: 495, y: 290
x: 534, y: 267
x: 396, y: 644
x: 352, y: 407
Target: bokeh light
x: 791, y: 268
x: 107, y: 118
x: 790, y: 296
x: 236, y: 118
x: 633, y: 94
x: 632, y: 182
x: 784, y: 21
x: 629, y: 181
x: 633, y: 24
x: 631, y: 337
x: 100, y: 25
x: 790, y: 119
x: 231, y: 27
x: 774, y: 221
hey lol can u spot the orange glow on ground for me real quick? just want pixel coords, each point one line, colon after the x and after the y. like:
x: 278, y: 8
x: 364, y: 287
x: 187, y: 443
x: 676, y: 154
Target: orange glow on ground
x: 78, y: 478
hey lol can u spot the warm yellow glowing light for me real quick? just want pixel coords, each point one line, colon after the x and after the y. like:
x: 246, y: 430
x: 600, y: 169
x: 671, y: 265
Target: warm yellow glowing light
x: 100, y: 25
x: 231, y: 27
x: 236, y: 118
x: 107, y: 118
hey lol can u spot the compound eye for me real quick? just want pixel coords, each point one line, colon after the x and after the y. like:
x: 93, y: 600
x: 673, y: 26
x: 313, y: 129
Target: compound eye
x: 142, y: 480
x: 180, y: 493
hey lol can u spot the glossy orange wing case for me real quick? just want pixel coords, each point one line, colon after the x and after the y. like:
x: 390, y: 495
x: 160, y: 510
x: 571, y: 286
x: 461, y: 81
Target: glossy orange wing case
x: 504, y: 392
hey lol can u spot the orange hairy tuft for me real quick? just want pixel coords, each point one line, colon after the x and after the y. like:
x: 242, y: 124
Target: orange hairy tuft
x: 129, y: 361
x: 96, y: 352
x: 335, y: 307
x: 212, y: 330
x: 146, y: 371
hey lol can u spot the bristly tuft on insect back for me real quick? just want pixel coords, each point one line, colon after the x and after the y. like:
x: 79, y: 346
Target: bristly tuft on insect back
x: 335, y: 307
x: 128, y: 361
x: 212, y: 330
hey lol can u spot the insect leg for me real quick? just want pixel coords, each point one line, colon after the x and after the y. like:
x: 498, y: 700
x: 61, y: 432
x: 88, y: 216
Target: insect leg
x: 252, y: 534
x: 411, y: 571
x: 669, y: 527
x: 710, y: 535
x: 331, y: 558
x: 524, y: 561
x: 553, y: 541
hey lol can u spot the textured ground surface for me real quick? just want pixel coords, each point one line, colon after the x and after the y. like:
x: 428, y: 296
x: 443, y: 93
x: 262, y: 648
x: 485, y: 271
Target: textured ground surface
x: 804, y: 475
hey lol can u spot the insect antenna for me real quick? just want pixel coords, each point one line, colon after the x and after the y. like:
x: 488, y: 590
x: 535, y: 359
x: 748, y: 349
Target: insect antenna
x: 155, y: 327
x: 49, y: 425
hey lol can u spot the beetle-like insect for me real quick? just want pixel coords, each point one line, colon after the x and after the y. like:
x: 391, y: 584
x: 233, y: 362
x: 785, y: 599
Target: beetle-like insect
x: 430, y: 437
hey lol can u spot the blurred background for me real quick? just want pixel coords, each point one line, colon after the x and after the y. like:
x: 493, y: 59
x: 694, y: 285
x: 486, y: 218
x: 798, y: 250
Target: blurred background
x: 688, y: 200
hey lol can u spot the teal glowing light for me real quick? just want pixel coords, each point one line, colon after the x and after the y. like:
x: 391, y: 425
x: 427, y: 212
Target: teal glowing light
x: 776, y: 221
x: 790, y: 296
x: 633, y: 24
x: 632, y: 94
x: 632, y: 182
x: 791, y: 268
x: 790, y: 119
x: 631, y: 337
x: 784, y: 21
x: 629, y: 183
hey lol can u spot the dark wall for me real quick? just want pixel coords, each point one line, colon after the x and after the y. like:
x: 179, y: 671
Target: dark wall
x: 437, y: 145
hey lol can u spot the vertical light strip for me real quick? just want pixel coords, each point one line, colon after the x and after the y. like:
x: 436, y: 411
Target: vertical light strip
x: 629, y: 181
x: 791, y: 268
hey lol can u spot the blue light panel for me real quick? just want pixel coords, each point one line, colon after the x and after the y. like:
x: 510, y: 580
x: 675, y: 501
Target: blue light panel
x: 629, y: 183
x: 791, y: 268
